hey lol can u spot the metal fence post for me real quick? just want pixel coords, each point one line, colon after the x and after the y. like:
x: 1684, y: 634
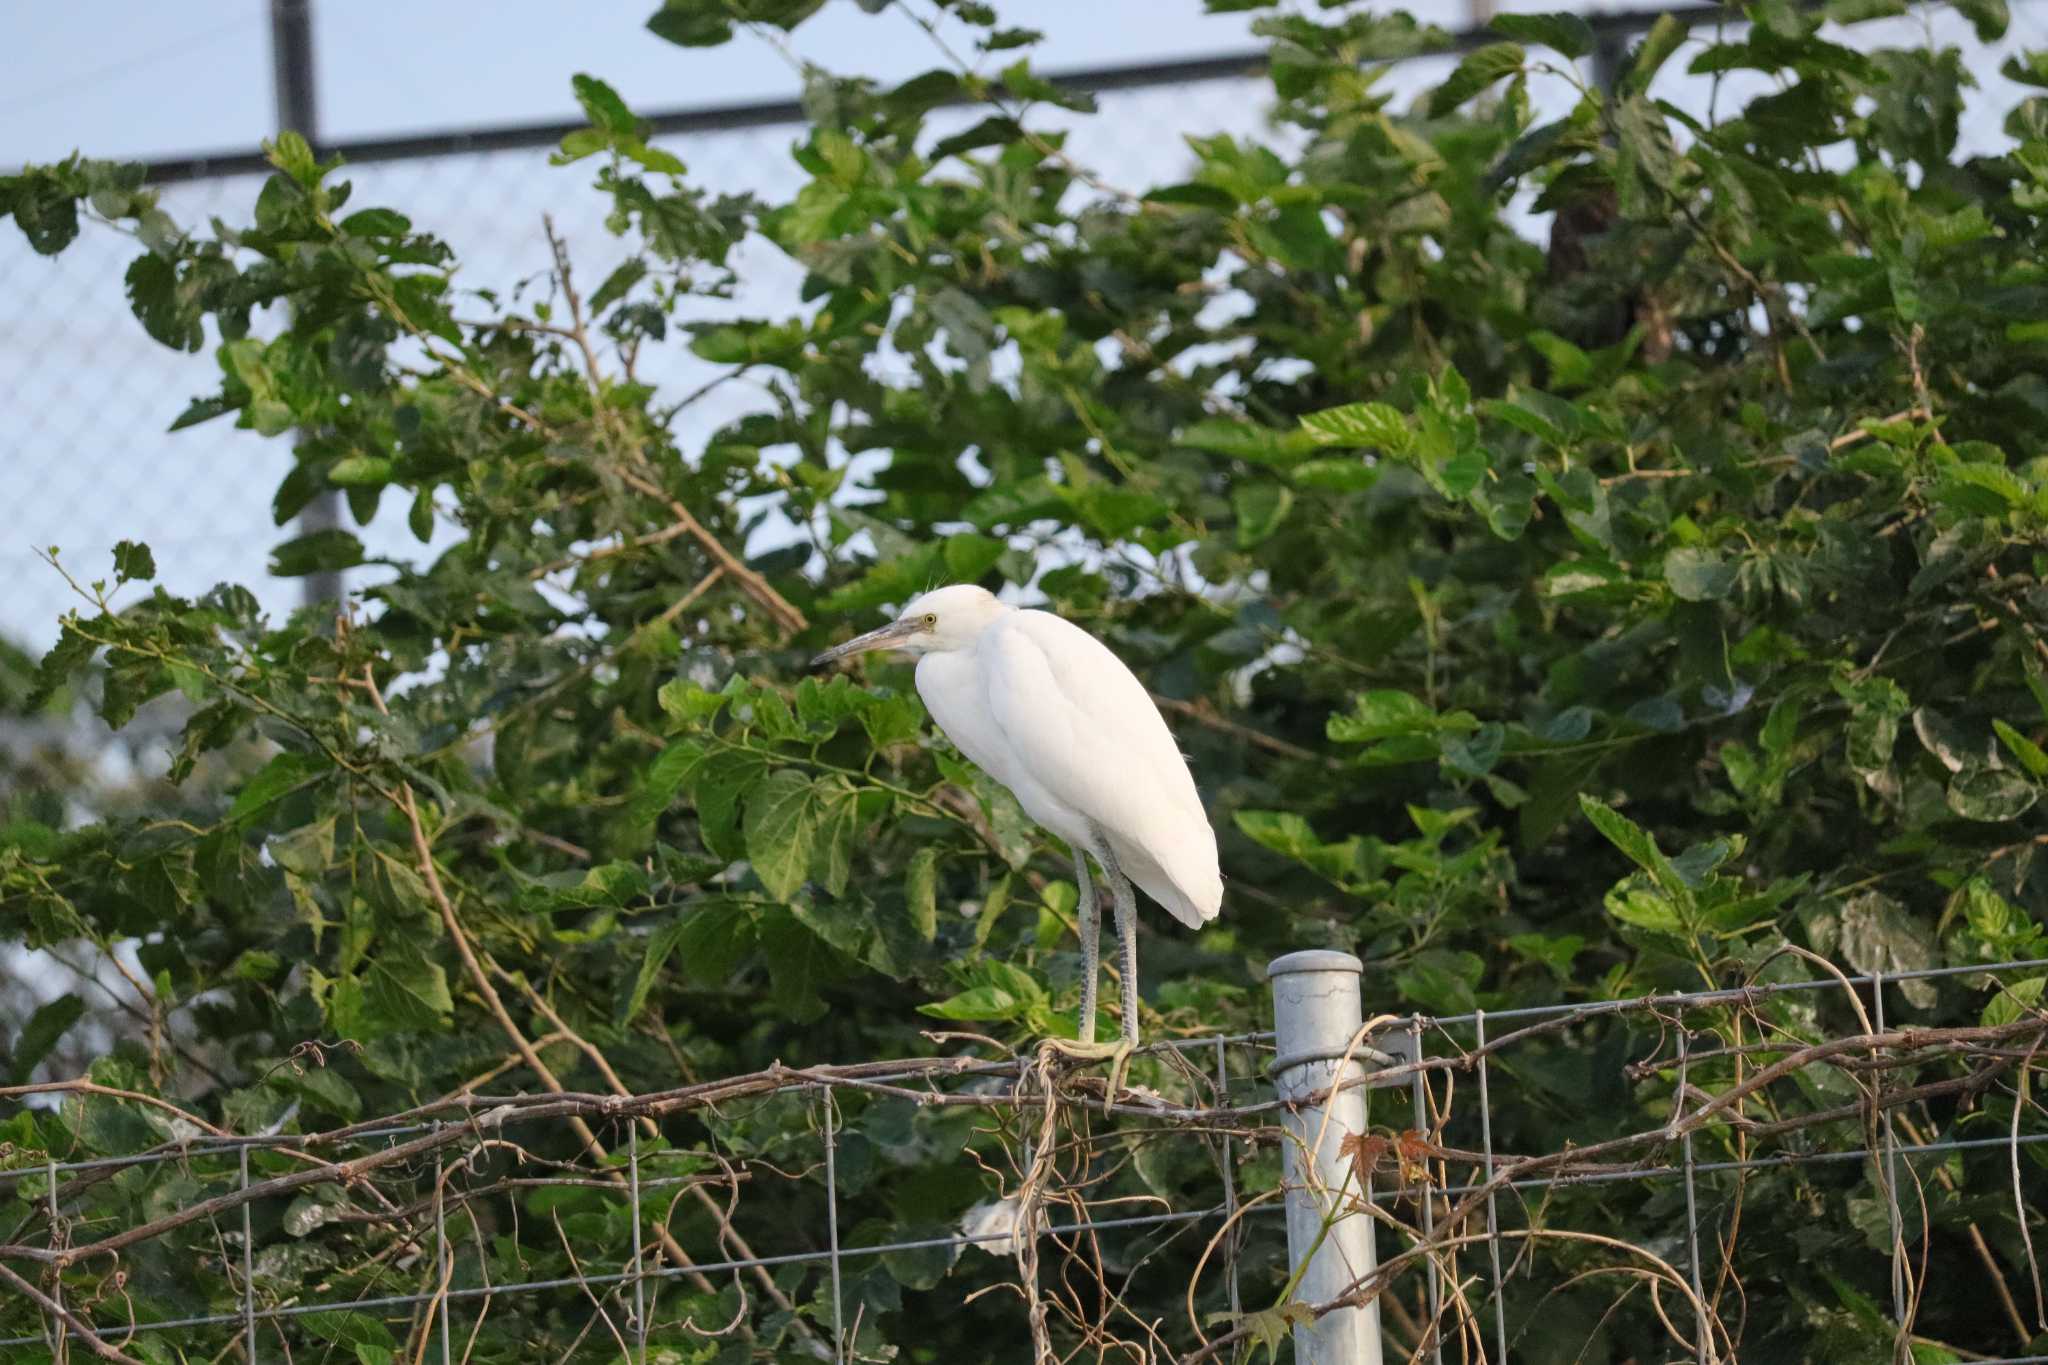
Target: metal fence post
x: 1316, y: 1012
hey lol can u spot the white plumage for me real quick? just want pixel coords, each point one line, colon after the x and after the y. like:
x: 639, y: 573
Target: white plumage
x: 1044, y: 708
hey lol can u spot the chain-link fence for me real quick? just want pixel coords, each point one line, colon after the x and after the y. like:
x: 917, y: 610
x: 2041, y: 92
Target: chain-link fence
x: 89, y: 461
x: 1540, y: 1181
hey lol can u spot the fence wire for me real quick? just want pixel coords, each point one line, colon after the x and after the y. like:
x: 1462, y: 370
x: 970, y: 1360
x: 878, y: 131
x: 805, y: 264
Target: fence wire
x: 88, y: 460
x: 1518, y: 1155
x: 1504, y: 1144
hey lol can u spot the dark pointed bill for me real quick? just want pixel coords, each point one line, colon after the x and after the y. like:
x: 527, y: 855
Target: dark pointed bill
x: 884, y: 638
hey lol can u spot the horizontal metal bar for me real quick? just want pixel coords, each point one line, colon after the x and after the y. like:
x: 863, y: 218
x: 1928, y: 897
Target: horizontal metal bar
x: 728, y: 118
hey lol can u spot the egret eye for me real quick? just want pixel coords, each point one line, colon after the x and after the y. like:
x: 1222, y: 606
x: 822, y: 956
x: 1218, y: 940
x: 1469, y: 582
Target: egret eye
x: 931, y: 618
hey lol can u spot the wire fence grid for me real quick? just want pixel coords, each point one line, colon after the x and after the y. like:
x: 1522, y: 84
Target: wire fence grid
x: 1508, y: 1159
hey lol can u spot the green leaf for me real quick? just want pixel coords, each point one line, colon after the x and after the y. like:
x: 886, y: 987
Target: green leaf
x: 1633, y: 840
x: 360, y: 471
x: 1478, y: 70
x: 284, y: 773
x: 133, y: 562
x: 2025, y: 750
x: 1260, y: 508
x: 663, y: 779
x: 1980, y: 490
x: 1698, y: 575
x: 1665, y: 37
x: 579, y: 143
x: 618, y: 284
x: 895, y: 719
x: 1336, y: 476
x: 707, y: 939
x: 403, y: 993
x: 992, y: 908
x: 166, y: 308
x: 376, y: 223
x: 420, y: 520
x: 1992, y: 795
x: 1989, y: 18
x: 349, y: 1329
x: 1570, y: 367
x: 1282, y: 831
x: 979, y: 1003
x: 689, y: 23
x: 318, y: 552
x: 1554, y: 951
x: 1386, y: 714
x: 1566, y: 33
x: 781, y: 831
x: 839, y: 826
x: 602, y: 105
x: 1549, y: 419
x: 39, y: 1037
x: 717, y: 782
x: 1376, y: 426
x: 1248, y: 441
x: 2016, y: 1000
x: 1880, y: 935
x: 689, y: 706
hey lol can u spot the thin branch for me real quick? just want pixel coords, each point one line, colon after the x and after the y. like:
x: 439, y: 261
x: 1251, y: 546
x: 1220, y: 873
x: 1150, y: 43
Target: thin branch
x: 94, y: 1342
x: 409, y: 806
x: 653, y: 1130
x: 1205, y: 714
x: 753, y: 584
x: 81, y: 1086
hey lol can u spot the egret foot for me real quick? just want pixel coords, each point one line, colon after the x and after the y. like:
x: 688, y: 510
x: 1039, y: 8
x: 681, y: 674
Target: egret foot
x: 1118, y: 1054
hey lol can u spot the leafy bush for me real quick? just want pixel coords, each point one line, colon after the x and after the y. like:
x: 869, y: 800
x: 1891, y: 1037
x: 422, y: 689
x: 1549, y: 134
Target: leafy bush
x: 1578, y: 622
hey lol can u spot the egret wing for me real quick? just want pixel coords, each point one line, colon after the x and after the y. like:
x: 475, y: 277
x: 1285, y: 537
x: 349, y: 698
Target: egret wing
x: 1082, y: 727
x: 952, y: 688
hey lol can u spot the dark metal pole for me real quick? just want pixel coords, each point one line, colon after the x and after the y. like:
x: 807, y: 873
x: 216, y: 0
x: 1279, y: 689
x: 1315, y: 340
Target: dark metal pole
x: 291, y: 54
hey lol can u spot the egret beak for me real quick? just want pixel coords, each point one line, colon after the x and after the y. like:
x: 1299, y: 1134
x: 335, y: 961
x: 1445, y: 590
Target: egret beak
x: 885, y: 638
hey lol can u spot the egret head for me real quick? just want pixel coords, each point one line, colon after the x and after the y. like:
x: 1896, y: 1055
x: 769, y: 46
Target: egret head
x: 942, y: 619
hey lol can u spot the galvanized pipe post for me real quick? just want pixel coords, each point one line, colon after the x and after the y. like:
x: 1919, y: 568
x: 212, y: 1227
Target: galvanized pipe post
x: 1316, y: 1013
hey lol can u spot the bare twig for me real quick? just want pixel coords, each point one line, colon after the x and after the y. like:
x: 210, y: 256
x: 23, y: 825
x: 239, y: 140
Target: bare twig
x: 1203, y: 713
x: 685, y: 523
x: 94, y: 1342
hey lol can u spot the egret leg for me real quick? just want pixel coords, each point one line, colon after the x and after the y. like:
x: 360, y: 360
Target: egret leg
x: 1126, y: 937
x: 1090, y: 917
x: 1127, y: 951
x: 1119, y: 1052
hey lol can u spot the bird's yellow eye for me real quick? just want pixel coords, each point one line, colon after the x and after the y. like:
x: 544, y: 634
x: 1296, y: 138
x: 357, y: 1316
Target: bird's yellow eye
x: 931, y: 618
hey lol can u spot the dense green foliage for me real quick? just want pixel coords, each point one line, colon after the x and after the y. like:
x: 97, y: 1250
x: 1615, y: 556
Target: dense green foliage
x: 1541, y: 624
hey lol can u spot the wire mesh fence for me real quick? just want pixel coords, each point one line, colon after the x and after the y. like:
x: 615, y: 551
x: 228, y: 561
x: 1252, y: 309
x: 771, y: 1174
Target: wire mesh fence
x: 93, y: 462
x: 1619, y: 1179
x: 90, y: 462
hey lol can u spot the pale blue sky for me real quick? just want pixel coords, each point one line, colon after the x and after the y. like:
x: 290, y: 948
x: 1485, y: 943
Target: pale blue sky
x: 135, y: 79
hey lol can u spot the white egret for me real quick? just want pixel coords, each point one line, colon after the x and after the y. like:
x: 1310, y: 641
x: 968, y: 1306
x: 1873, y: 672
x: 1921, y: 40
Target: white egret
x: 1044, y: 708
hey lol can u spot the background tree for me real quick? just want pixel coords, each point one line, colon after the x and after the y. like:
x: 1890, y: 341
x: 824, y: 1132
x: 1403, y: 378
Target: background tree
x: 1468, y: 591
